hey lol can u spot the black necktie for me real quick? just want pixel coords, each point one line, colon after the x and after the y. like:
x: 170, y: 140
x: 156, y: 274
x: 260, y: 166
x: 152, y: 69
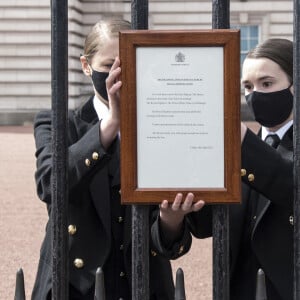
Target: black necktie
x: 273, y: 140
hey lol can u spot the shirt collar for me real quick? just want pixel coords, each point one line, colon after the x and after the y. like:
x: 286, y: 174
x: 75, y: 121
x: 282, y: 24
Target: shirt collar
x: 100, y: 108
x: 280, y: 132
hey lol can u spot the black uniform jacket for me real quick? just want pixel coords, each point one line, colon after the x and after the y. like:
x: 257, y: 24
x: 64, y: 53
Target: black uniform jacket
x: 267, y: 176
x: 89, y: 207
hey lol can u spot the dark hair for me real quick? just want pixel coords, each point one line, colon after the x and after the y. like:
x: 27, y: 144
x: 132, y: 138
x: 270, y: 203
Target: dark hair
x: 278, y: 50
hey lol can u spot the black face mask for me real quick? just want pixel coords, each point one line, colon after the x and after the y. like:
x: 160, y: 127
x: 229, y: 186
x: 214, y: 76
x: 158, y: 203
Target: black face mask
x: 98, y: 79
x: 271, y: 109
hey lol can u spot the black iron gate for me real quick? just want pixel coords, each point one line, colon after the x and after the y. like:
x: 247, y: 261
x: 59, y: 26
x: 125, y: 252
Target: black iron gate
x: 140, y: 250
x: 140, y: 219
x: 296, y: 82
x: 59, y: 193
x: 220, y: 20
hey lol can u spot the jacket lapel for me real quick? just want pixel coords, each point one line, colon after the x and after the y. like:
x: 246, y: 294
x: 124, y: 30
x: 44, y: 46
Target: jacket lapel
x: 237, y: 216
x: 285, y: 148
x: 85, y: 117
x: 262, y: 205
x: 114, y: 165
x: 99, y: 186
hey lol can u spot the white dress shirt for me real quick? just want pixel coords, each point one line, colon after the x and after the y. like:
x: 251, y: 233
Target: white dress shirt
x: 280, y: 132
x: 100, y: 107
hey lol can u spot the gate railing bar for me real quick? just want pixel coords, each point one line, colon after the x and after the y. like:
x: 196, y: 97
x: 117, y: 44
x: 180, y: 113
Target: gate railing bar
x: 296, y: 141
x: 140, y: 252
x: 220, y: 20
x: 260, y: 293
x: 139, y: 14
x: 99, y: 285
x: 20, y: 286
x: 59, y: 86
x: 179, y: 286
x: 220, y: 253
x: 220, y: 14
x: 140, y: 213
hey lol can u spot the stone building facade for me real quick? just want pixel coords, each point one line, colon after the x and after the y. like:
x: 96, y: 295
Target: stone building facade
x: 25, y: 41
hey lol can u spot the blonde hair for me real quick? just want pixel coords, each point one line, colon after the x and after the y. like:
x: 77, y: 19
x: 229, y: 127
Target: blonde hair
x: 101, y: 32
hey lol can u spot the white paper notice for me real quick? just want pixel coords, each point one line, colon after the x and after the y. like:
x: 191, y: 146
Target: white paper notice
x: 180, y: 117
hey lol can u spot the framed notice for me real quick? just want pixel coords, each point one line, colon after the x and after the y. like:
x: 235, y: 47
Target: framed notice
x: 180, y: 115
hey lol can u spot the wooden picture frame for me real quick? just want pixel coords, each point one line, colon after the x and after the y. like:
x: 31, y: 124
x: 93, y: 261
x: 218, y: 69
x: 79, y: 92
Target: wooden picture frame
x: 180, y: 115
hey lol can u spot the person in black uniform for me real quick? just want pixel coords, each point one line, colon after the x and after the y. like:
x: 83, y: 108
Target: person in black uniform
x: 100, y: 227
x: 261, y: 227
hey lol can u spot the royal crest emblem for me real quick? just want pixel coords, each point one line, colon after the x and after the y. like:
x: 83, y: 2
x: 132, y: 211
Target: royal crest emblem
x: 179, y: 57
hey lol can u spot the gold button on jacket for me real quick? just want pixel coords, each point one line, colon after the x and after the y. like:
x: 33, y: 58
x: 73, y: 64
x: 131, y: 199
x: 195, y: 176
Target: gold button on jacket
x: 78, y: 263
x: 95, y: 156
x: 251, y: 177
x: 122, y: 274
x: 72, y: 229
x: 243, y: 172
x: 87, y: 162
x: 181, y: 249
